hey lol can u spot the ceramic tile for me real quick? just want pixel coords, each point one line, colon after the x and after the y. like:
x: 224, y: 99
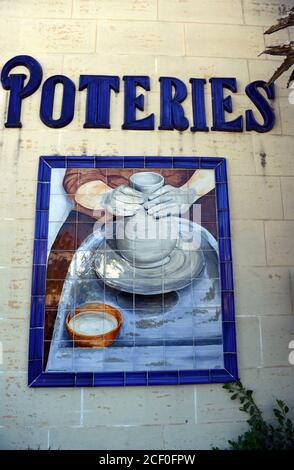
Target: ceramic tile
x: 53, y: 292
x: 165, y: 377
x: 49, y: 314
x: 44, y: 172
x: 58, y: 264
x: 209, y: 297
x: 213, y: 229
x: 180, y: 330
x: 133, y: 162
x: 80, y: 162
x: 59, y: 208
x: 36, y: 343
x: 66, y: 237
x: 207, y: 207
x: 38, y: 280
x: 229, y: 337
x: 83, y: 230
x: 222, y: 196
x: 64, y: 350
x: 84, y: 379
x: 194, y: 376
x: 107, y: 162
x: 158, y: 162
x: 186, y: 162
x: 37, y: 311
x: 136, y: 378
x: 41, y: 225
x: 228, y: 306
x: 40, y: 252
x: 43, y: 196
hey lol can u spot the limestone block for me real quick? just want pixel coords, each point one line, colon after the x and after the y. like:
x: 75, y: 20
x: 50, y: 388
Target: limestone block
x: 17, y: 243
x: 273, y: 155
x: 262, y: 69
x: 248, y: 243
x: 275, y: 382
x: 291, y: 271
x: 23, y: 438
x: 16, y: 285
x: 215, y: 406
x: 287, y: 195
x: 219, y: 41
x: 269, y: 384
x: 14, y: 339
x: 100, y: 64
x: 92, y: 142
x: 42, y: 35
x: 148, y: 38
x: 265, y: 13
x: 138, y: 405
x: 35, y: 9
x: 116, y: 9
x: 279, y: 242
x: 248, y: 341
x: 107, y: 437
x: 255, y: 197
x: 211, y: 11
x: 202, y: 436
x: 277, y: 332
x: 48, y: 407
x: 262, y: 291
x: 279, y: 37
x: 204, y: 67
x: 287, y: 114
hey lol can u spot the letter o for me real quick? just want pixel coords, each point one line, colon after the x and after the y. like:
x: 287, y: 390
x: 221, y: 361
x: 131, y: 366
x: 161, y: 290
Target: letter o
x: 47, y: 102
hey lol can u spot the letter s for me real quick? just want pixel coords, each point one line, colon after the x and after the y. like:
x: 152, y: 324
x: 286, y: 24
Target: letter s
x: 262, y: 105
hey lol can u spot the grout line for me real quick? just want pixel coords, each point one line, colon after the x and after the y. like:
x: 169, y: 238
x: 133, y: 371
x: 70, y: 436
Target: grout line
x: 48, y: 439
x: 291, y: 291
x: 282, y: 199
x: 243, y: 12
x: 82, y: 408
x: 195, y: 405
x: 96, y: 38
x: 260, y: 343
x: 265, y: 244
x: 136, y: 20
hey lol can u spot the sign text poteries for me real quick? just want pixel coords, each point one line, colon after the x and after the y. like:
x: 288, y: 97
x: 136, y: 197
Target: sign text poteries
x: 173, y: 92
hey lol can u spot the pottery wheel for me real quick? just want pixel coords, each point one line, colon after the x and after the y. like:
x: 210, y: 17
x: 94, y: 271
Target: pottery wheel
x: 186, y: 263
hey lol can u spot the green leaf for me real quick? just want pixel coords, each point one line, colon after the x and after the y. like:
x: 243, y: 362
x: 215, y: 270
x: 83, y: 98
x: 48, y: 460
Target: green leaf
x: 261, y: 435
x: 233, y: 397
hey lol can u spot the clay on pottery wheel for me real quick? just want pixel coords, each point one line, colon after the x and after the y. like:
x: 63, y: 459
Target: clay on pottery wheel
x: 141, y: 239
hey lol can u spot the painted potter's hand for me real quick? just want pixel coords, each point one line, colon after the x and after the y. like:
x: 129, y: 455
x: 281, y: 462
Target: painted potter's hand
x: 169, y: 200
x: 123, y: 201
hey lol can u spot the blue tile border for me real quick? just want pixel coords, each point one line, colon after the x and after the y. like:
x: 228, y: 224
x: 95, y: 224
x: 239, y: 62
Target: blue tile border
x: 190, y: 163
x: 36, y: 376
x: 134, y: 162
x: 37, y: 311
x: 158, y: 162
x: 40, y: 252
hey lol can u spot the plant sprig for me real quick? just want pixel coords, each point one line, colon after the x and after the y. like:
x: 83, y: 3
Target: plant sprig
x: 261, y: 435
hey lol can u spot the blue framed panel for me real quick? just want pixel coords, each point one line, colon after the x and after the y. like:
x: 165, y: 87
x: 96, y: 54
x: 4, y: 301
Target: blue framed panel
x: 37, y: 376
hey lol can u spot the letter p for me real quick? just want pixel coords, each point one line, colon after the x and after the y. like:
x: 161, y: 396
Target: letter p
x: 15, y: 83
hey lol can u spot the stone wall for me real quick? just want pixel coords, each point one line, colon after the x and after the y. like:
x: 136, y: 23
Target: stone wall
x: 152, y: 37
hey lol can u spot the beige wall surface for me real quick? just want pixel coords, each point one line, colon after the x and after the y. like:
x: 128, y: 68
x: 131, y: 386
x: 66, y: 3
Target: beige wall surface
x: 152, y: 37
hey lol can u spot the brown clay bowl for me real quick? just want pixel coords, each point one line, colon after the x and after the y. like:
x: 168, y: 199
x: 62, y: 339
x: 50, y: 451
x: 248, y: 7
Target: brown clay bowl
x: 104, y: 312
